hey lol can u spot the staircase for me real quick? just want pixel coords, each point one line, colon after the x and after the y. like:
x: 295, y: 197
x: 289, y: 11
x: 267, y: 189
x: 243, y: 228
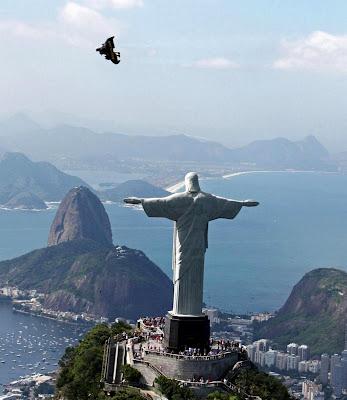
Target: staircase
x: 113, y: 360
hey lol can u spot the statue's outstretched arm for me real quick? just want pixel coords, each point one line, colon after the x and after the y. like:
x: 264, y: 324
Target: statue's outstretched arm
x: 132, y: 200
x: 250, y: 203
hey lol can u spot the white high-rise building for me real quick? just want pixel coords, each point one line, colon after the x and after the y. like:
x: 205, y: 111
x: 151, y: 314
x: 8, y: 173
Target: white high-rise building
x: 313, y: 366
x: 324, y: 368
x: 304, y: 352
x: 292, y: 349
x: 270, y: 358
x: 282, y: 361
x: 259, y: 358
x: 251, y: 351
x: 262, y: 345
x: 293, y: 362
x: 213, y: 315
x: 302, y: 367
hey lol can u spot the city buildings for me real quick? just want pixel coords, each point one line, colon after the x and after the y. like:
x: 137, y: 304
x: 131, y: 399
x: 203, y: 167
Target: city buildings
x: 324, y: 369
x: 312, y: 391
x: 213, y: 315
x: 303, y: 352
x: 292, y: 348
x: 297, y: 358
x: 336, y: 378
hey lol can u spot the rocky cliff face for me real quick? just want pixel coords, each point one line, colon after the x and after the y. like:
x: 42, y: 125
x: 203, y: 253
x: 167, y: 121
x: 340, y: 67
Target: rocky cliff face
x: 84, y: 276
x: 80, y: 215
x: 81, y: 270
x: 314, y: 314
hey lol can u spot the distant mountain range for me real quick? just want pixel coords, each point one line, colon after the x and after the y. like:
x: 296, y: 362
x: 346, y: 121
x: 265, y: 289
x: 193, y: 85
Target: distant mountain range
x: 314, y: 314
x: 74, y: 143
x: 308, y: 154
x: 24, y: 182
x: 82, y: 271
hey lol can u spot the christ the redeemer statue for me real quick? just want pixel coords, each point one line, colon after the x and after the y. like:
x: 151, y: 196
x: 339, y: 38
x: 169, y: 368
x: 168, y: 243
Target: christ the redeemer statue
x: 191, y: 211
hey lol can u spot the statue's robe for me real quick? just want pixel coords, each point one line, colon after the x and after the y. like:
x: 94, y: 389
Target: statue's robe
x: 191, y: 213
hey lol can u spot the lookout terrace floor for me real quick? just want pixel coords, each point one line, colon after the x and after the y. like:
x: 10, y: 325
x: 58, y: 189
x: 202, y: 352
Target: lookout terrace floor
x: 190, y: 365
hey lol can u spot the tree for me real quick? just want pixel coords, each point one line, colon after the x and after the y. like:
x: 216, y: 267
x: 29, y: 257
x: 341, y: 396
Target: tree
x: 172, y: 389
x: 131, y: 375
x: 80, y: 367
x: 124, y: 394
x: 222, y: 396
x: 260, y: 384
x: 120, y: 327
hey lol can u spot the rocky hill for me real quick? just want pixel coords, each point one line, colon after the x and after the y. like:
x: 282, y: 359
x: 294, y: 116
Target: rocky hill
x: 25, y: 201
x: 84, y: 276
x: 80, y: 215
x: 136, y: 188
x: 82, y: 271
x: 281, y: 153
x: 19, y: 174
x: 314, y: 314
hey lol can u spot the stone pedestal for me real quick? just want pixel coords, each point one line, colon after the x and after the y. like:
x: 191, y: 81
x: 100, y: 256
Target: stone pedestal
x: 182, y: 332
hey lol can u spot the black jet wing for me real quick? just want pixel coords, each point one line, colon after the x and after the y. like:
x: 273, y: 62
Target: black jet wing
x: 107, y: 50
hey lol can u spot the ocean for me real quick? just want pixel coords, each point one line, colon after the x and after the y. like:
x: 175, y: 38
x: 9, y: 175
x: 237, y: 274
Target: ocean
x: 253, y: 261
x: 30, y: 344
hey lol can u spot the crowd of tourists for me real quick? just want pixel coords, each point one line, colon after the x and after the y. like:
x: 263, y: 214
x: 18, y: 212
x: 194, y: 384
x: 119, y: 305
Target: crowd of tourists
x: 224, y: 345
x: 153, y: 322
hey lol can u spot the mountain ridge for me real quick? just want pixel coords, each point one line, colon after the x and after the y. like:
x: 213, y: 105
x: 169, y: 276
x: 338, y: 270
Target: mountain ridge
x: 315, y: 310
x: 19, y: 174
x: 64, y: 143
x: 82, y: 271
x: 85, y: 276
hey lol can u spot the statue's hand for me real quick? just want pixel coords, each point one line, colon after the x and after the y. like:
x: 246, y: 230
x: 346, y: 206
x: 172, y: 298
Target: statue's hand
x: 132, y: 200
x: 250, y: 203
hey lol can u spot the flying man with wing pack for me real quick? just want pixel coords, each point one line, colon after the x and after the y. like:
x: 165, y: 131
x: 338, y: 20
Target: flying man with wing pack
x: 107, y: 50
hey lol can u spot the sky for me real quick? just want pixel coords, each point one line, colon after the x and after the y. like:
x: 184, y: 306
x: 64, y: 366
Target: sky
x: 225, y: 70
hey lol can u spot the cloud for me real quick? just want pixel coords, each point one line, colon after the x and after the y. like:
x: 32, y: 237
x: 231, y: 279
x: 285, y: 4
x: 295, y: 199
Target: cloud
x: 100, y: 4
x: 24, y: 30
x: 319, y: 51
x: 82, y: 26
x: 75, y: 24
x: 215, y: 63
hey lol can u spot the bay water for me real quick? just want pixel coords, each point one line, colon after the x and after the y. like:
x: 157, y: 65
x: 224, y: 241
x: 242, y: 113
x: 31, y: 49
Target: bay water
x: 252, y: 262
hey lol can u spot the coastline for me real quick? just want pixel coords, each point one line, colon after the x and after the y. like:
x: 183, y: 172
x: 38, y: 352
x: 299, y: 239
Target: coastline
x: 65, y: 321
x: 179, y: 185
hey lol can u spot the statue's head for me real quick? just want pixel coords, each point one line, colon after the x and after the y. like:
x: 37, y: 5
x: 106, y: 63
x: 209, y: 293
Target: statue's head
x: 192, y: 182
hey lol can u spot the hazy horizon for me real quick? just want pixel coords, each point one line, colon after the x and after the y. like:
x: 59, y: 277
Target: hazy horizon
x: 227, y: 71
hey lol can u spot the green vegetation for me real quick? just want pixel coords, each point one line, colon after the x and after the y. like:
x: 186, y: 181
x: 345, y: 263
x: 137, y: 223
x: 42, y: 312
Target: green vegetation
x: 82, y: 275
x: 172, y: 389
x: 314, y: 311
x: 80, y: 367
x: 260, y: 384
x: 124, y: 394
x: 222, y: 396
x: 131, y: 375
x: 80, y: 371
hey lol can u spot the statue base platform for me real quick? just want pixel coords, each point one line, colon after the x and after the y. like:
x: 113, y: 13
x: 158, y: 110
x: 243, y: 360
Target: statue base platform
x: 183, y: 332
